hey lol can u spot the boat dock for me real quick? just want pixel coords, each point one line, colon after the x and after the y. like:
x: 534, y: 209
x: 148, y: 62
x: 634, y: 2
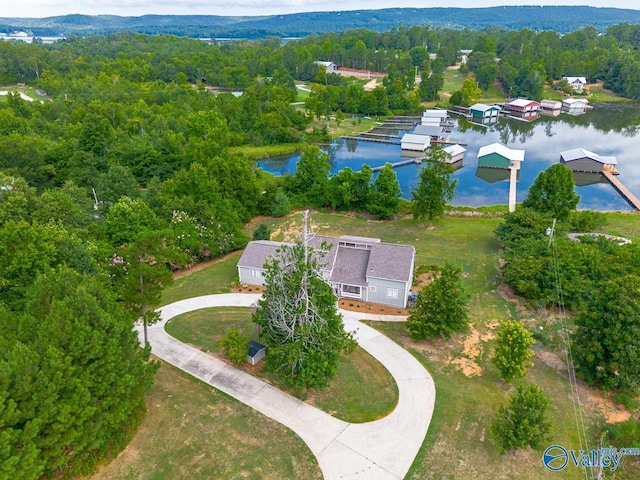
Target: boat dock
x: 624, y: 192
x: 387, y: 139
x: 402, y: 163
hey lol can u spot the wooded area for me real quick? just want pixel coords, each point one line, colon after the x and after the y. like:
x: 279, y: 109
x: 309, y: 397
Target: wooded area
x: 121, y: 171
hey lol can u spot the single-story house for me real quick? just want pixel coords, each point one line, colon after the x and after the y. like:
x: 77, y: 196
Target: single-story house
x: 576, y: 83
x: 256, y: 352
x: 575, y: 104
x: 551, y: 105
x: 360, y: 268
x: 454, y: 153
x: 523, y: 105
x: 581, y: 160
x: 497, y: 155
x: 464, y: 54
x: 415, y: 143
x: 484, y: 111
x: 330, y: 67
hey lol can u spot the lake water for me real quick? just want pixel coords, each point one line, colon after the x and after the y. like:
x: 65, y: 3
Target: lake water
x: 607, y: 129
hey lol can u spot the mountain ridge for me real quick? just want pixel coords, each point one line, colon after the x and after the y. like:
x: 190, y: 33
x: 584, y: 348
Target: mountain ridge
x: 562, y: 19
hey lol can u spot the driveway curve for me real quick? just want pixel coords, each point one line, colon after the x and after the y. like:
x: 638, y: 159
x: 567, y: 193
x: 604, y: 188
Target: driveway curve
x: 383, y: 449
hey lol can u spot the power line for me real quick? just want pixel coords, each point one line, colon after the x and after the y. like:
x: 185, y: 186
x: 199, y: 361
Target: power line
x: 573, y: 383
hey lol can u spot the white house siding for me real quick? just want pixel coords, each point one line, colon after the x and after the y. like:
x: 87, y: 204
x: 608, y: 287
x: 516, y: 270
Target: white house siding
x: 380, y: 294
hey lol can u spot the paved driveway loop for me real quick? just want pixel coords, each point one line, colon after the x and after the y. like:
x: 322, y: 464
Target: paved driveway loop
x: 383, y: 449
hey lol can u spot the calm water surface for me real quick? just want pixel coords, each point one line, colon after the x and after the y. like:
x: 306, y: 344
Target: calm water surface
x: 607, y: 129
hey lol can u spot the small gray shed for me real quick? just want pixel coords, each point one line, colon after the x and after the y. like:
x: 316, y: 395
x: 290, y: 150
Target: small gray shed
x: 257, y: 351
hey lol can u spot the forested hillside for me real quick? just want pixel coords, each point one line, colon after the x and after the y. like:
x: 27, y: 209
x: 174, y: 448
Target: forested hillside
x: 123, y: 170
x: 562, y: 19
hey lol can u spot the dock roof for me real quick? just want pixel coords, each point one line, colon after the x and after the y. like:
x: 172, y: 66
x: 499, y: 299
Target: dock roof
x: 453, y: 150
x: 581, y: 153
x: 521, y: 102
x: 509, y: 153
x: 481, y: 107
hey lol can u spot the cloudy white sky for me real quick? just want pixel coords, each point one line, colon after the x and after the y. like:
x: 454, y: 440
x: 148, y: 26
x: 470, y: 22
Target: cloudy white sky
x: 45, y: 8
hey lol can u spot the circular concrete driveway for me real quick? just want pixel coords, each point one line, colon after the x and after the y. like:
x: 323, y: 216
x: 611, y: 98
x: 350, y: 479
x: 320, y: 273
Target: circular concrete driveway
x: 383, y: 449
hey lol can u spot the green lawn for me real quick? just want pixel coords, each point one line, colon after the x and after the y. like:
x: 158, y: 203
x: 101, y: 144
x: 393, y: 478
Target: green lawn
x: 192, y: 431
x: 349, y: 397
x: 458, y: 444
x: 216, y: 278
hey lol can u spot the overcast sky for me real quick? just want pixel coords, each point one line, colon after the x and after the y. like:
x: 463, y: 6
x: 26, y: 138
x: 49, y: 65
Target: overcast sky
x: 46, y: 8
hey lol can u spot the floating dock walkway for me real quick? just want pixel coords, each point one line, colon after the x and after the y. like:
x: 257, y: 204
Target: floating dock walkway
x: 412, y: 161
x: 375, y: 139
x: 624, y: 192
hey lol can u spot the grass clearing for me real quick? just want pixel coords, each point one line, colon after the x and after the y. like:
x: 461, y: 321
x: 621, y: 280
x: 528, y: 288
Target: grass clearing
x: 217, y: 278
x: 458, y: 444
x: 265, y: 151
x: 192, y: 431
x: 597, y: 93
x: 349, y: 397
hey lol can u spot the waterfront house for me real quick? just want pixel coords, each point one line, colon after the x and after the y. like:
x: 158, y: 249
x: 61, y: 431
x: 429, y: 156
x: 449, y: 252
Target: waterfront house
x: 576, y: 83
x: 581, y: 160
x: 484, y: 111
x: 497, y: 155
x: 523, y: 105
x: 415, y: 143
x: 359, y: 268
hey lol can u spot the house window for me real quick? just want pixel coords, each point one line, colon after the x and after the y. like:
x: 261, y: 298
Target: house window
x: 255, y: 273
x: 351, y: 290
x: 392, y: 293
x: 372, y: 289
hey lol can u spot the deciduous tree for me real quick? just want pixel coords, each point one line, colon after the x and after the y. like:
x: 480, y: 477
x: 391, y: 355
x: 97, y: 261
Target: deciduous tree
x: 606, y: 343
x: 512, y: 350
x: 441, y: 307
x: 553, y: 192
x: 385, y: 193
x: 522, y: 423
x: 435, y: 187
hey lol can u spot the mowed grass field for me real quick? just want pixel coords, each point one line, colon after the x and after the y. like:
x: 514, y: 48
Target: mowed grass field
x: 468, y: 387
x: 349, y: 397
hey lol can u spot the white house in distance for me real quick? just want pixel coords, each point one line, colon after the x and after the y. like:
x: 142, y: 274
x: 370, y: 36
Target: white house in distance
x: 576, y: 83
x: 360, y: 268
x: 415, y: 143
x: 330, y: 67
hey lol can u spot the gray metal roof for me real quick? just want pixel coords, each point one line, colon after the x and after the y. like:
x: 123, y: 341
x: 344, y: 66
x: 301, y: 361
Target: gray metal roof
x: 431, y: 130
x: 581, y: 153
x: 351, y: 266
